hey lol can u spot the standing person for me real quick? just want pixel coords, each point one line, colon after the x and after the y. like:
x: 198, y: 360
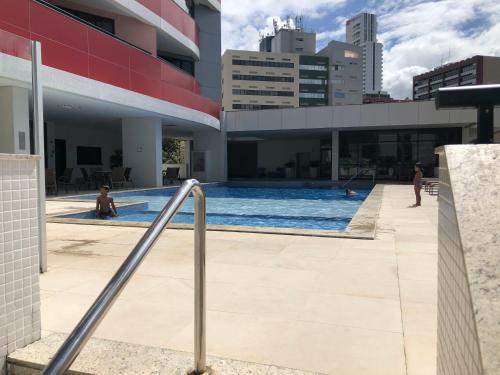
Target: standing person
x: 417, y: 183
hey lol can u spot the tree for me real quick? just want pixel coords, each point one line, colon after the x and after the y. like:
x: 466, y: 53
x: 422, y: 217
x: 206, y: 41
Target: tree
x: 173, y: 151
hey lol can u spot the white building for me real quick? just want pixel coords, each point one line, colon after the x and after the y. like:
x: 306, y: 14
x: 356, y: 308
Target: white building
x: 361, y: 30
x: 346, y: 73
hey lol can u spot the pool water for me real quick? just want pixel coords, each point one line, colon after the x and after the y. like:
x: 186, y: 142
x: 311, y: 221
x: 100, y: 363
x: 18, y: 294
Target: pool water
x: 323, y: 208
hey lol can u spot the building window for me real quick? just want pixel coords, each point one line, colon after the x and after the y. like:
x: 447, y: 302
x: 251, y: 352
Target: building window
x: 103, y: 23
x: 246, y: 77
x: 339, y: 95
x: 351, y: 54
x: 299, y: 39
x: 309, y: 81
x: 338, y: 68
x: 311, y: 95
x: 262, y: 92
x: 299, y: 49
x: 254, y: 107
x: 313, y: 67
x: 339, y: 82
x: 269, y: 64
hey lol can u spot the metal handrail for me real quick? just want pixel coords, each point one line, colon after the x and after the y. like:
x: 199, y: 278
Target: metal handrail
x: 359, y: 172
x: 75, y: 342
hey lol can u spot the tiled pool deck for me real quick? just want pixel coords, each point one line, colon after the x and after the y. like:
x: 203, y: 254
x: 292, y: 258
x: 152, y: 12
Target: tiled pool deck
x: 331, y: 305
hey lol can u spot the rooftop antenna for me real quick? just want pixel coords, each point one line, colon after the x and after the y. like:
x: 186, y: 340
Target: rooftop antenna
x: 288, y: 22
x: 275, y: 26
x: 299, y: 23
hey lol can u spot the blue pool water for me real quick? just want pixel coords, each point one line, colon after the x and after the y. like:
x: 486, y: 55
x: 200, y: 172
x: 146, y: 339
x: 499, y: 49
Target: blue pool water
x: 324, y: 208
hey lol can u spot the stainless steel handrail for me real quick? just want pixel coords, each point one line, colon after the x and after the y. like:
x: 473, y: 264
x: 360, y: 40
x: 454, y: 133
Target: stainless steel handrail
x: 75, y: 342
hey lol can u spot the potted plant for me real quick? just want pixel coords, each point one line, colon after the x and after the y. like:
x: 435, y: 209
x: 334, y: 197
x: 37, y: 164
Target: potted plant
x: 290, y: 169
x: 314, y: 169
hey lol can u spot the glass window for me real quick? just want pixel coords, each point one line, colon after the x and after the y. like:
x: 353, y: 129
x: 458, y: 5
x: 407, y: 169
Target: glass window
x: 351, y: 54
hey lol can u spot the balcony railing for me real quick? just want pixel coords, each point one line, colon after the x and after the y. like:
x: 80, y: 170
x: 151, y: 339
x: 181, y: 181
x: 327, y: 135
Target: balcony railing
x: 75, y: 47
x: 175, y: 16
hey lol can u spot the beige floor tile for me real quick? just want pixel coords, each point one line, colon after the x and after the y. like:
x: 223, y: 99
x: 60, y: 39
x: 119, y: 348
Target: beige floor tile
x: 302, y: 345
x: 419, y: 318
x: 419, y: 291
x: 351, y: 311
x: 417, y: 266
x: 363, y: 278
x: 420, y: 354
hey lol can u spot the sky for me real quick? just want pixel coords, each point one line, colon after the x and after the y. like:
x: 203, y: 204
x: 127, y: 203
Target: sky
x: 418, y: 35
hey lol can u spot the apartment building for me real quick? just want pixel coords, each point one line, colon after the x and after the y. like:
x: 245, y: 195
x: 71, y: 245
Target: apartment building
x: 477, y: 70
x: 361, y: 31
x: 118, y: 78
x: 345, y: 73
x: 259, y: 80
x: 294, y: 41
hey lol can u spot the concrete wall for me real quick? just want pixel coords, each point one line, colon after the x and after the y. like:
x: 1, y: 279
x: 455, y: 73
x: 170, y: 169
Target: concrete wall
x: 350, y: 76
x: 14, y: 120
x: 400, y: 115
x: 19, y: 259
x: 469, y: 276
x: 294, y: 41
x: 272, y: 154
x: 215, y: 144
x: 208, y: 68
x: 108, y: 139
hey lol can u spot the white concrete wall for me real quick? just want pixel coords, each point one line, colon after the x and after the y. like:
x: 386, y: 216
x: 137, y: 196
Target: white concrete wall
x: 411, y: 114
x: 14, y: 120
x: 108, y: 139
x: 215, y: 143
x: 272, y: 154
x: 142, y: 150
x: 19, y: 255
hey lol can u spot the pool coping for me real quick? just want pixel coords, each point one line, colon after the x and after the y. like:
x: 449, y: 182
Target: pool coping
x: 362, y: 226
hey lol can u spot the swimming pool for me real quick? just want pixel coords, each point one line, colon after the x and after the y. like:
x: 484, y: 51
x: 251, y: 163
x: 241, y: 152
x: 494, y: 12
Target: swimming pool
x: 319, y: 208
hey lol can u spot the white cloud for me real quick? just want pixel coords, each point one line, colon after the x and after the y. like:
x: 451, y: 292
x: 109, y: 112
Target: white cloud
x: 418, y: 35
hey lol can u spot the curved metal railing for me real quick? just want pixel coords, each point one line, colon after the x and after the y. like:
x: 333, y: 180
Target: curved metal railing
x: 77, y: 339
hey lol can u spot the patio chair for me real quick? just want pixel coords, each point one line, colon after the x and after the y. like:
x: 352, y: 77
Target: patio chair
x: 170, y: 174
x: 127, y: 176
x: 118, y: 177
x: 50, y: 180
x: 85, y: 180
x: 65, y: 180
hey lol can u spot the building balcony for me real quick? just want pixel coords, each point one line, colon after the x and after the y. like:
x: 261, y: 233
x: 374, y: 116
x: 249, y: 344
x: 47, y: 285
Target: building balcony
x: 75, y: 47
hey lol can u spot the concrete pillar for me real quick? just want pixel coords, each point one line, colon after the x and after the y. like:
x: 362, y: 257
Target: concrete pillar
x: 214, y: 144
x: 14, y: 120
x: 335, y: 155
x: 142, y: 150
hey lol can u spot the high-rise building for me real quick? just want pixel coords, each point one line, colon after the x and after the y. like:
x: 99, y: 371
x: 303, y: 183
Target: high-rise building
x: 119, y: 77
x: 361, y: 31
x: 477, y: 70
x: 264, y: 80
x: 294, y: 41
x: 346, y: 73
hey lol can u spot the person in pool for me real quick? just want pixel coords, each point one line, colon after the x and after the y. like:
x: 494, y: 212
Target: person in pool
x: 105, y: 205
x: 350, y: 193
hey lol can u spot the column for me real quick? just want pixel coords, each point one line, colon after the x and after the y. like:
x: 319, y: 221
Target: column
x: 142, y: 150
x: 335, y: 155
x: 213, y: 144
x: 14, y: 120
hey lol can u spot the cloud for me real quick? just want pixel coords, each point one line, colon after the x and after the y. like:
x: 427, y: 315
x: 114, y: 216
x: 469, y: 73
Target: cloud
x: 418, y: 35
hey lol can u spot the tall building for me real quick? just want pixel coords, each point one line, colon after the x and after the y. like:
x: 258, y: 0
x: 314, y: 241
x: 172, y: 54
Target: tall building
x: 477, y: 70
x: 119, y: 77
x: 294, y: 41
x: 361, y: 31
x: 263, y: 80
x: 345, y: 73
x: 259, y: 80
